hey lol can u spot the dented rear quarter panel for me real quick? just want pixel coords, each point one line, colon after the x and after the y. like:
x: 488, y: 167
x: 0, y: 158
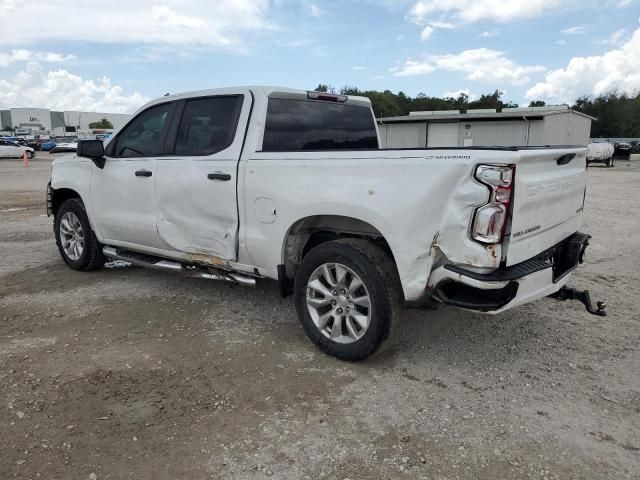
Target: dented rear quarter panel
x: 410, y: 196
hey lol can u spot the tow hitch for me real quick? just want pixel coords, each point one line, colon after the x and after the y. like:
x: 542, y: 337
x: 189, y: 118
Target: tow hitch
x: 567, y: 293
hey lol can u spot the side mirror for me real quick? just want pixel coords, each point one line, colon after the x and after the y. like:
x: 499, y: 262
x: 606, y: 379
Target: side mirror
x: 93, y: 149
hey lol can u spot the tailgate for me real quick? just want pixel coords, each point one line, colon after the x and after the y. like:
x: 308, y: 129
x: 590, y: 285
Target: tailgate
x: 548, y: 199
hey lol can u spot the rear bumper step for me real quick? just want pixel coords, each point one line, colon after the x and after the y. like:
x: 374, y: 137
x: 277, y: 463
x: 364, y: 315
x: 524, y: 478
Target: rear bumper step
x: 460, y: 295
x: 157, y: 263
x: 563, y: 258
x: 507, y: 287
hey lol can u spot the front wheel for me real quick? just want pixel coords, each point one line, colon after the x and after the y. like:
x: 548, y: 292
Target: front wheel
x: 76, y: 241
x: 30, y: 155
x: 348, y: 298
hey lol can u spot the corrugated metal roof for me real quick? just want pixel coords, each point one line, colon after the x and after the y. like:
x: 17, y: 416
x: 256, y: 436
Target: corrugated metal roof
x: 528, y: 113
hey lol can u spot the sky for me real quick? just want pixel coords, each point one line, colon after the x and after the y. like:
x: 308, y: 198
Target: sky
x: 114, y: 56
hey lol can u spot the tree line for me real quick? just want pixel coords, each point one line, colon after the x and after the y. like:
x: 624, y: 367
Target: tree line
x: 618, y: 113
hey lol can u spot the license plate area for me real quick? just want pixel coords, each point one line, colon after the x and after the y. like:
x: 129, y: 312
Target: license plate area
x: 568, y: 254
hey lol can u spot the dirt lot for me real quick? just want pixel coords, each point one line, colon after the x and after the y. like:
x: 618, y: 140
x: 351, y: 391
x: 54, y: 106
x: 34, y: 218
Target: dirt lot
x: 130, y: 373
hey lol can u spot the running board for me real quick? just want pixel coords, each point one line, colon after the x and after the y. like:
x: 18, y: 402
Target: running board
x: 157, y: 263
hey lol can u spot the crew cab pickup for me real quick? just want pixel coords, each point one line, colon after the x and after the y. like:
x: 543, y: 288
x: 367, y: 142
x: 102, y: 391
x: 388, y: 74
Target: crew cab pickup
x: 239, y: 184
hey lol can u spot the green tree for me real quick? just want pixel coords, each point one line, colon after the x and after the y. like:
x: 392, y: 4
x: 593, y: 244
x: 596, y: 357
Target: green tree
x: 492, y: 100
x: 618, y: 114
x: 102, y: 124
x: 324, y: 88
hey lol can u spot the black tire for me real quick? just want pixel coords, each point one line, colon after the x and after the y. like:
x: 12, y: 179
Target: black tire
x: 30, y: 155
x: 379, y: 275
x: 613, y: 162
x: 91, y: 257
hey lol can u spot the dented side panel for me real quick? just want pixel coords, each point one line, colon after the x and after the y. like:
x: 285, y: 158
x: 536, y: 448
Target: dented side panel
x: 411, y: 197
x: 197, y: 197
x: 196, y: 215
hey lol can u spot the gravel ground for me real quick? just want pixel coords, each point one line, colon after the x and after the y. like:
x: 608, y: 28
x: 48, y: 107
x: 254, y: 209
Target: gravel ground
x: 130, y: 373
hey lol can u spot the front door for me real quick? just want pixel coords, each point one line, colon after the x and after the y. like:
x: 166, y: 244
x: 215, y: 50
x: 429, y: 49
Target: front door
x: 196, y: 180
x: 123, y: 192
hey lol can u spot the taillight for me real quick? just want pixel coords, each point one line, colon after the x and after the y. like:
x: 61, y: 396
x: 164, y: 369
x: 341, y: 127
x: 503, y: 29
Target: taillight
x: 490, y: 220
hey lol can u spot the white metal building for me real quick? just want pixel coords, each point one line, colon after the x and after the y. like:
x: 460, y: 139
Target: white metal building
x: 528, y: 126
x: 31, y: 121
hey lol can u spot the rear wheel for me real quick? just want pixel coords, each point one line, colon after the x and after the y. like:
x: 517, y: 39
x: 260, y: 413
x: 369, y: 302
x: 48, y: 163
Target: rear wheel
x: 348, y: 298
x: 76, y: 241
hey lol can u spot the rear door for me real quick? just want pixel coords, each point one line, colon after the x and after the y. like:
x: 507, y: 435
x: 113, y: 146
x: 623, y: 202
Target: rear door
x: 197, y: 180
x: 548, y: 200
x: 123, y: 192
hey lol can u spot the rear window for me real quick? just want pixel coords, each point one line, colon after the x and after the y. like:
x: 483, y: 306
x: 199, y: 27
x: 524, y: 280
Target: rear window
x: 317, y: 125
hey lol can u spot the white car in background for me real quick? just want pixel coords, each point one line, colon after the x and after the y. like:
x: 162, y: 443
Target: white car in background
x: 14, y: 150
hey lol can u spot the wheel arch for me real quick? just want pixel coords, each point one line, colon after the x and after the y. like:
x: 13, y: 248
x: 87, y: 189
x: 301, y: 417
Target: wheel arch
x: 61, y: 195
x: 309, y: 232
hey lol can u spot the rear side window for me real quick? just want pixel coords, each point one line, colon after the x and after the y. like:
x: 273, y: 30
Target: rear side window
x: 143, y: 136
x: 208, y: 125
x: 317, y: 125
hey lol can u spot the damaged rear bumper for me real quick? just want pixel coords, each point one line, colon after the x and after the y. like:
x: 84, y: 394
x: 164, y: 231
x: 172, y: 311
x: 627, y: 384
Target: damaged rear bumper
x: 508, y: 287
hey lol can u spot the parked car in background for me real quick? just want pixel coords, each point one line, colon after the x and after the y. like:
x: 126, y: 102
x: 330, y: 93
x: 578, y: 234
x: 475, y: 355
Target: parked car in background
x: 48, y: 145
x: 9, y: 149
x: 622, y: 150
x: 65, y: 147
x: 18, y: 140
x: 635, y: 146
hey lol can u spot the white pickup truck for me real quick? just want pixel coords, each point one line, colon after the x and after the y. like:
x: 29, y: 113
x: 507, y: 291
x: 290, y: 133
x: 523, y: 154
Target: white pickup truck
x: 238, y: 184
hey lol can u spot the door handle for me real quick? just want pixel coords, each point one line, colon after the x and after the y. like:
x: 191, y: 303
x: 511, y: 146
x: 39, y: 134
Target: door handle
x: 143, y: 173
x: 225, y: 177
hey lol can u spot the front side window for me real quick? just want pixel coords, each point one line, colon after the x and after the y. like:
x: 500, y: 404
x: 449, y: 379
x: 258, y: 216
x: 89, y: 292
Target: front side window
x: 143, y: 136
x: 317, y: 125
x: 208, y: 125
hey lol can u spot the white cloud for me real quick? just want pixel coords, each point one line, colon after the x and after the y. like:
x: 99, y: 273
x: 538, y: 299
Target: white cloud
x: 23, y: 55
x: 616, y: 69
x: 481, y: 64
x: 62, y: 90
x: 561, y: 42
x: 463, y: 91
x: 616, y: 38
x: 620, y: 3
x: 577, y: 30
x: 431, y: 27
x: 196, y: 22
x: 315, y: 11
x: 443, y: 25
x: 426, y: 33
x: 413, y: 67
x: 489, y: 33
x: 475, y: 10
